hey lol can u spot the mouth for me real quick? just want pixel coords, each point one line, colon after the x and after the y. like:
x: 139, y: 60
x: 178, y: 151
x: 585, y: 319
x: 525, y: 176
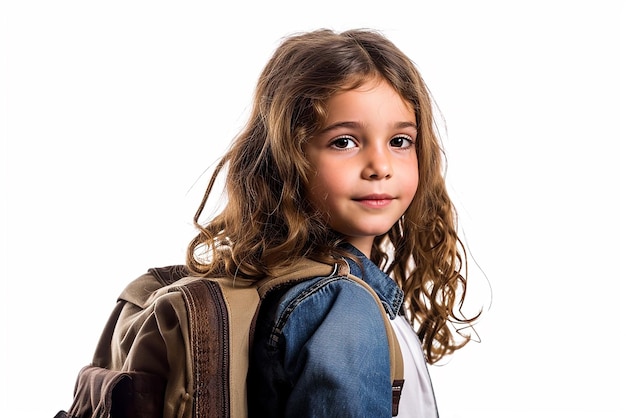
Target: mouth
x: 375, y: 200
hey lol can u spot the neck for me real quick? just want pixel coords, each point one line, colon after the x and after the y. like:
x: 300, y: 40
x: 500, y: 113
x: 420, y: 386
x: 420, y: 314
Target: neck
x: 363, y: 244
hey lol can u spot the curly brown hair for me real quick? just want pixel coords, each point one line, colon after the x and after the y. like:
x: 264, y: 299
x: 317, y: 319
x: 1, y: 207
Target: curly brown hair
x: 267, y: 222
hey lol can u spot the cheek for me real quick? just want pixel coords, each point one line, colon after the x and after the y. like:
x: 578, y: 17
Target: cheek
x: 326, y: 190
x: 416, y: 181
x: 411, y: 181
x: 410, y: 189
x: 320, y: 188
x: 316, y: 191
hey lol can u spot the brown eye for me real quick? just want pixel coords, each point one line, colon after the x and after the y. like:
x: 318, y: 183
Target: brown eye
x: 343, y: 142
x: 401, y: 141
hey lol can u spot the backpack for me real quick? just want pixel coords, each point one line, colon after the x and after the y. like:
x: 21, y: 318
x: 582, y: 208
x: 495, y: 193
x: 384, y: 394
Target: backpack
x: 177, y: 346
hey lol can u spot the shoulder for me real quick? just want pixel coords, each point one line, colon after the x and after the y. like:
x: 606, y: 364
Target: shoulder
x: 326, y: 305
x: 325, y: 291
x: 322, y: 339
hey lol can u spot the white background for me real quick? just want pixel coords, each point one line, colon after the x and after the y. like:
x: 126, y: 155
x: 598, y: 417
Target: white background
x: 112, y: 111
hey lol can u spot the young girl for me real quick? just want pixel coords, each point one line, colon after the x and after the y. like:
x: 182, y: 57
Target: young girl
x: 340, y: 161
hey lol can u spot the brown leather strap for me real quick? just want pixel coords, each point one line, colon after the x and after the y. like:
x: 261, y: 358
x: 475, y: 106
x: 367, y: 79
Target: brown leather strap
x: 209, y: 348
x: 396, y: 391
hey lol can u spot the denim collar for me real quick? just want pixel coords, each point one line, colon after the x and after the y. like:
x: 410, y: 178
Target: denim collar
x: 387, y: 290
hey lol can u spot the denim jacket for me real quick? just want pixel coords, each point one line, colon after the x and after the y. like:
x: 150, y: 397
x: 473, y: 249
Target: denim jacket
x: 320, y: 348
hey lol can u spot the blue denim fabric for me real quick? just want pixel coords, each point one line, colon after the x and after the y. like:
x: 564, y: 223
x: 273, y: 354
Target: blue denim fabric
x: 320, y: 348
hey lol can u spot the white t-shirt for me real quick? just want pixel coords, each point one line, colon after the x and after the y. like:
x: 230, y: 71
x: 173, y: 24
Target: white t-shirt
x: 418, y: 398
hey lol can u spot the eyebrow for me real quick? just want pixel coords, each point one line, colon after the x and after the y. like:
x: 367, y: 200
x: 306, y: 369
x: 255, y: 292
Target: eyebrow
x: 354, y: 125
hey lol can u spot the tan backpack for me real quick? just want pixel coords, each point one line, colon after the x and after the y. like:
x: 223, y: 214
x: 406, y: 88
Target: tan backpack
x: 178, y: 346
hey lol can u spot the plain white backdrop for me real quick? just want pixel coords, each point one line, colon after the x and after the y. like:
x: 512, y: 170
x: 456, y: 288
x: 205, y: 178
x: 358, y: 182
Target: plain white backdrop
x: 112, y: 112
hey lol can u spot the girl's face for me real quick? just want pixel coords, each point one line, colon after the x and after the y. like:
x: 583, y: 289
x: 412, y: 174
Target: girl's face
x: 365, y: 162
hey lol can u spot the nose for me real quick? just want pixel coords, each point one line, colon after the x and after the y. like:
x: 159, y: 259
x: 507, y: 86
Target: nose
x: 377, y: 164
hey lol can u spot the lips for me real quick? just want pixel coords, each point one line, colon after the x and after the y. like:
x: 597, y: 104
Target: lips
x: 375, y: 200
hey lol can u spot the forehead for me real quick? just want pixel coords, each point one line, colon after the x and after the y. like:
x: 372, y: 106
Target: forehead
x: 372, y: 98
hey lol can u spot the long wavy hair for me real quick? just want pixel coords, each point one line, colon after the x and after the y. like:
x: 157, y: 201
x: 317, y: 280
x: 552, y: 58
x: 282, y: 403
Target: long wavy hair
x: 267, y: 221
